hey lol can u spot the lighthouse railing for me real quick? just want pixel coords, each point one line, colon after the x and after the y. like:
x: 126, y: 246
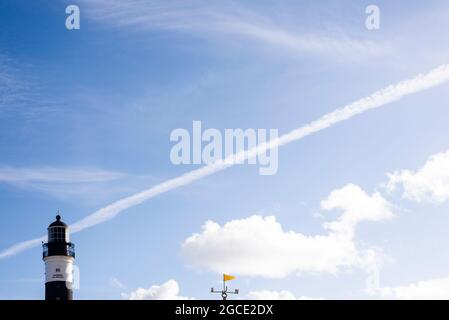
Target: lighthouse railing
x: 58, y: 249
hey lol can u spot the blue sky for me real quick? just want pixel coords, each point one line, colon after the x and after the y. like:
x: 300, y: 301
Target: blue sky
x: 86, y: 117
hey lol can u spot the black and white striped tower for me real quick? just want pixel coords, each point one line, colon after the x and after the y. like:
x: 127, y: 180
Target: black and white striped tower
x: 58, y: 255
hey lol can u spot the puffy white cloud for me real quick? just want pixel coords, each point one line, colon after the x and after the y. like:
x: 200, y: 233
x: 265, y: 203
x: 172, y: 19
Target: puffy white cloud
x: 166, y: 291
x: 275, y: 295
x: 356, y: 206
x: 428, y: 184
x: 259, y: 246
x: 423, y: 290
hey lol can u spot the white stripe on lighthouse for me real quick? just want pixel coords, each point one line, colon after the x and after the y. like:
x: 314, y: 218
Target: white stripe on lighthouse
x: 59, y: 268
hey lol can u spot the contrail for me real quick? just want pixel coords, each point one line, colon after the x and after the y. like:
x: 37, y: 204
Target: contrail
x: 380, y: 98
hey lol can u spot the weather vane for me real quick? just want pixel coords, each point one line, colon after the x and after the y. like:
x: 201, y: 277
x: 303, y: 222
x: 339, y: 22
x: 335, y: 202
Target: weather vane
x: 224, y: 292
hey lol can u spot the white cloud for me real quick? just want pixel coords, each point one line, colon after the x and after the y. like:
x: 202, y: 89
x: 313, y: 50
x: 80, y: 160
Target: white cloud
x: 22, y: 246
x: 337, y: 46
x: 218, y: 20
x: 71, y: 184
x: 116, y: 283
x: 275, y: 295
x: 166, y: 291
x: 259, y: 246
x: 55, y: 175
x: 356, y: 206
x: 170, y: 291
x: 435, y: 289
x: 428, y: 184
x: 19, y: 92
x: 11, y: 88
x: 380, y: 98
x: 271, y: 295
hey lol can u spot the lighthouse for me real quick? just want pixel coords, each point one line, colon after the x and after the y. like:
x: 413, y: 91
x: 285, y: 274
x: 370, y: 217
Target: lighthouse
x: 58, y: 255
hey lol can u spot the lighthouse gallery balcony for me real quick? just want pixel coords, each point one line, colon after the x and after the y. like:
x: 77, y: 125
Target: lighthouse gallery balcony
x: 58, y: 249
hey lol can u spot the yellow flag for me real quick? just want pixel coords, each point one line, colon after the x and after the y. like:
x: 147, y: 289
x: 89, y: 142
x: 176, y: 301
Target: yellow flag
x: 227, y: 277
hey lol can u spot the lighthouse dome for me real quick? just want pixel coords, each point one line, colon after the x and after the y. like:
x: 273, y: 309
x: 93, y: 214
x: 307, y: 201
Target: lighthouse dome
x: 58, y: 223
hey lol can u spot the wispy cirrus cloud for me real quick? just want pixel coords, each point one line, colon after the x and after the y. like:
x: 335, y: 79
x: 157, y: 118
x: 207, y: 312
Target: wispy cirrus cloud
x: 20, y: 94
x: 378, y: 99
x: 116, y: 283
x: 218, y: 21
x: 11, y: 87
x: 71, y: 183
x: 56, y: 175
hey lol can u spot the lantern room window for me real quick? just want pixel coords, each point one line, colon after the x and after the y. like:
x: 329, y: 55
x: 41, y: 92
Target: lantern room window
x: 58, y: 234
